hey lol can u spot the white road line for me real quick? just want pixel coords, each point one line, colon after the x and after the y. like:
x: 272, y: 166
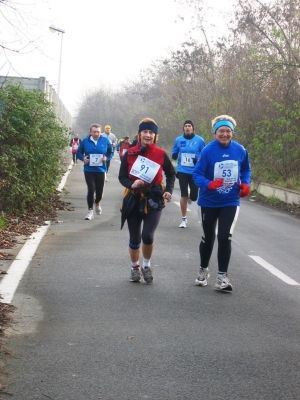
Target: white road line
x: 64, y: 179
x: 178, y: 204
x: 10, y: 282
x: 274, y: 271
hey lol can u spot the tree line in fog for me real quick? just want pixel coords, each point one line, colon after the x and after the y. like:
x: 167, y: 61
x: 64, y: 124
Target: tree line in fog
x: 251, y: 72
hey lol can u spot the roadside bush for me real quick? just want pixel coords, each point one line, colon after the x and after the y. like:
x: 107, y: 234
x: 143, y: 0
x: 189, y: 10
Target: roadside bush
x: 31, y: 141
x: 275, y: 149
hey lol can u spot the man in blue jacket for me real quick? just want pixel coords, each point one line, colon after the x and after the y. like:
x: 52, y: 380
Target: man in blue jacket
x: 186, y: 151
x: 95, y: 150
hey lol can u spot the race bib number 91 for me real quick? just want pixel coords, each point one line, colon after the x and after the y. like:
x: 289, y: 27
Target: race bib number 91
x: 144, y: 169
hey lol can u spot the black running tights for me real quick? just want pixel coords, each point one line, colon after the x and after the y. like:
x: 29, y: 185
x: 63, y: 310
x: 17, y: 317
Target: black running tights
x: 136, y: 233
x: 95, y: 183
x: 226, y: 218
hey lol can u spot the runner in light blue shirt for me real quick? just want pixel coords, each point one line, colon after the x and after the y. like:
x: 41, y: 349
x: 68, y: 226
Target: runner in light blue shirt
x: 186, y: 151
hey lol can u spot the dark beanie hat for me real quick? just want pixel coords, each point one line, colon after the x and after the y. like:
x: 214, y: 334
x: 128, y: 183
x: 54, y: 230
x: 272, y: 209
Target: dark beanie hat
x: 188, y: 121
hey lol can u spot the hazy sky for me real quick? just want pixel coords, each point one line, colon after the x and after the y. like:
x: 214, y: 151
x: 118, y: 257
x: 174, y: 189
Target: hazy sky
x: 105, y: 41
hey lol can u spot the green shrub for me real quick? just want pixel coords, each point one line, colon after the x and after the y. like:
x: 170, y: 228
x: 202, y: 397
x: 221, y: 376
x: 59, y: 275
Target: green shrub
x: 275, y: 149
x: 31, y: 140
x: 2, y: 223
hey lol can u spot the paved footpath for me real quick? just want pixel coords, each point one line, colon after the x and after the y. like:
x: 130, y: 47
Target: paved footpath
x: 83, y: 331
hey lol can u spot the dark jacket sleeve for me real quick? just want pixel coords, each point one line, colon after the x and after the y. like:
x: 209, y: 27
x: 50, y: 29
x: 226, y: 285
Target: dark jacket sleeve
x: 123, y: 173
x: 133, y: 143
x: 170, y: 174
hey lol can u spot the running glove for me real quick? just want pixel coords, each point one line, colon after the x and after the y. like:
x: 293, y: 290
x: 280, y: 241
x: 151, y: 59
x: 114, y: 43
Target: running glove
x: 213, y: 185
x: 245, y: 190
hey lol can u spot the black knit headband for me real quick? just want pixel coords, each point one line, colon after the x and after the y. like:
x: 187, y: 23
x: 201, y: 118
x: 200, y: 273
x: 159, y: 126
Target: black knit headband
x: 148, y: 126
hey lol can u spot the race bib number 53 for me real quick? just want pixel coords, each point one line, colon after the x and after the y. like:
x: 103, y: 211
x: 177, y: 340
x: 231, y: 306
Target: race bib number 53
x: 228, y: 170
x: 144, y: 169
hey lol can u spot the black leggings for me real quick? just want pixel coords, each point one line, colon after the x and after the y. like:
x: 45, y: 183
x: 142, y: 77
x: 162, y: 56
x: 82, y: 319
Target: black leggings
x: 136, y: 233
x: 95, y: 182
x: 107, y: 165
x: 74, y: 157
x: 226, y: 218
x: 186, y: 181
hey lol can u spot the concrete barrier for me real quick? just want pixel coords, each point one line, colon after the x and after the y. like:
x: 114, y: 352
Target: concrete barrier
x: 267, y: 190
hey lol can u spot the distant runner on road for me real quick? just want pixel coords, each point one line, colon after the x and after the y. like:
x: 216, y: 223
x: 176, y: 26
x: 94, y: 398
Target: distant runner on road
x: 74, y: 145
x: 186, y: 151
x: 94, y: 151
x: 113, y: 140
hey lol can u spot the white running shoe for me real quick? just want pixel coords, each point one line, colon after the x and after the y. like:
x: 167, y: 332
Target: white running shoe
x: 183, y: 223
x: 202, y: 278
x: 98, y: 210
x: 147, y: 274
x: 135, y: 274
x: 89, y: 215
x: 223, y: 283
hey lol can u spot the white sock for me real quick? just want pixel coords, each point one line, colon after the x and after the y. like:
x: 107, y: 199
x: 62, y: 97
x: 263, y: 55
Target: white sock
x: 134, y: 264
x: 146, y: 263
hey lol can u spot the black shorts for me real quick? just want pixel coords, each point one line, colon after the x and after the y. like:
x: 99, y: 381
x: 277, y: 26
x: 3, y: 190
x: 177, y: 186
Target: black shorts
x: 186, y: 182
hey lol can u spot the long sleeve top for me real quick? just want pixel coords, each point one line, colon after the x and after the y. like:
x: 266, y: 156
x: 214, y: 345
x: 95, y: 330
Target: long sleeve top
x: 187, y: 149
x: 88, y: 147
x: 153, y: 153
x: 230, y: 163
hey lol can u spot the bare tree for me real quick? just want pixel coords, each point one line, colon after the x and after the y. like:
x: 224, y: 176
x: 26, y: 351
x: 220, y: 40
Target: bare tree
x: 17, y: 35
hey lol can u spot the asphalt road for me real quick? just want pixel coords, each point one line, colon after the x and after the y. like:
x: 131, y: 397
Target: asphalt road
x: 83, y: 331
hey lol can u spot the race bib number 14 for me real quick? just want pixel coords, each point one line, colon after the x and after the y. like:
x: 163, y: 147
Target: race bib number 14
x: 144, y: 169
x: 187, y: 159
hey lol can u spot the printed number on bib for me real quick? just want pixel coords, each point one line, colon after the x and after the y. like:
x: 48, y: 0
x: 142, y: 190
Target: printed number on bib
x: 144, y: 169
x: 228, y: 170
x: 96, y: 160
x: 187, y: 159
